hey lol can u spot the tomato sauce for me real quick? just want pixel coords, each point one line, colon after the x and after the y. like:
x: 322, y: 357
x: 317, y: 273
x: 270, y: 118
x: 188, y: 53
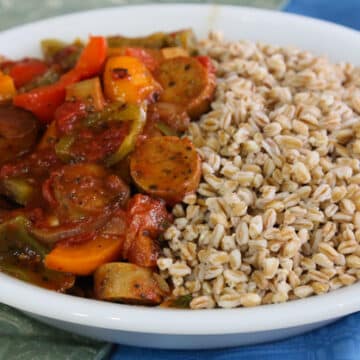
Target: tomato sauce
x: 75, y: 138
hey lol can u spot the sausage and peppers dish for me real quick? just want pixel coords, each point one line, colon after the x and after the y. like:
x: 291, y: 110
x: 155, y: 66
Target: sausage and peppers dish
x: 92, y: 160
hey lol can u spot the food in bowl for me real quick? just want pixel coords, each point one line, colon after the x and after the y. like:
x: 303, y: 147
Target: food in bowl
x: 92, y: 160
x: 270, y: 213
x: 276, y: 215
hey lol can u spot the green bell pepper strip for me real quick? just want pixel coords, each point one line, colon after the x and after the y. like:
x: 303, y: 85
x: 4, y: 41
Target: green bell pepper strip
x: 113, y: 113
x: 22, y: 256
x: 18, y: 189
x: 136, y: 114
x: 14, y: 236
x: 166, y: 129
x: 184, y: 38
x: 63, y: 148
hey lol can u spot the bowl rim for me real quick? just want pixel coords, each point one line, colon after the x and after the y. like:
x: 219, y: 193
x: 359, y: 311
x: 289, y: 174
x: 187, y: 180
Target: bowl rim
x: 100, y: 314
x: 106, y: 315
x: 292, y: 18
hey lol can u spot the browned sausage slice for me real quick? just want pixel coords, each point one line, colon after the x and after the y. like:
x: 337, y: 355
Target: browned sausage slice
x: 79, y: 190
x: 144, y: 251
x: 166, y: 167
x: 186, y: 82
x: 129, y: 283
x: 18, y: 132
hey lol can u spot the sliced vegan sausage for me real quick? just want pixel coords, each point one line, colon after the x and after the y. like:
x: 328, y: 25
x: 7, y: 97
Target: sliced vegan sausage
x: 185, y: 81
x: 129, y: 283
x: 166, y: 167
x: 79, y: 190
x: 18, y: 132
x: 144, y: 251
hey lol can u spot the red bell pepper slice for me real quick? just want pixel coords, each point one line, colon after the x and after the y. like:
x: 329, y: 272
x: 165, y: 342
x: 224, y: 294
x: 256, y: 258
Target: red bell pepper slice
x: 44, y: 100
x: 92, y: 58
x: 25, y: 70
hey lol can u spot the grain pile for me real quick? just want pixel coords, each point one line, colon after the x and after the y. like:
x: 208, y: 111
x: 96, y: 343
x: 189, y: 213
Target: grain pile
x: 277, y: 214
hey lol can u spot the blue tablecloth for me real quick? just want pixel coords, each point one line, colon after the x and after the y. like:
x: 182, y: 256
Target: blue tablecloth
x: 345, y: 12
x: 339, y: 341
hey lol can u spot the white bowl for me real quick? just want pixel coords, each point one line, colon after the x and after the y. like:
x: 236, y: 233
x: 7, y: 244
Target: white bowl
x: 167, y: 328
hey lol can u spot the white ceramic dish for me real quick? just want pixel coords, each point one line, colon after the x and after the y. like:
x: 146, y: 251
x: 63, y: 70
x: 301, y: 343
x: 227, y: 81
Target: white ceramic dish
x: 165, y: 328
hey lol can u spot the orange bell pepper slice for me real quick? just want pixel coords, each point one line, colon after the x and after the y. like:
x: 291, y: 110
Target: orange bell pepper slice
x: 84, y: 258
x: 7, y: 87
x: 149, y: 57
x: 127, y: 79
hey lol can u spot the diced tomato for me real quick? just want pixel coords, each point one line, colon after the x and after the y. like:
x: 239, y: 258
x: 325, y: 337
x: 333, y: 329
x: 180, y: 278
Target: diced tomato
x: 147, y: 218
x: 207, y: 63
x: 5, y: 65
x: 67, y: 114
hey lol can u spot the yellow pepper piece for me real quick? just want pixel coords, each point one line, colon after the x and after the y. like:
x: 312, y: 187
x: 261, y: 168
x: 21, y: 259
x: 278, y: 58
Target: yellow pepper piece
x: 128, y: 80
x: 7, y: 87
x: 172, y: 52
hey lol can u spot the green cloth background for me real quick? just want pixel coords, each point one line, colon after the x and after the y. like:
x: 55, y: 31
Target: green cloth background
x: 22, y: 338
x: 14, y: 12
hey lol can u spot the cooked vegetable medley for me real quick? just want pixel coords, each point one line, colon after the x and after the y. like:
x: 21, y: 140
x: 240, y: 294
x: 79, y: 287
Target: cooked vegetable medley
x: 92, y: 160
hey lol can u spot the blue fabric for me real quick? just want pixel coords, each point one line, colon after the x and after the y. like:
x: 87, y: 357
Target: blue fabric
x: 338, y: 341
x: 344, y: 12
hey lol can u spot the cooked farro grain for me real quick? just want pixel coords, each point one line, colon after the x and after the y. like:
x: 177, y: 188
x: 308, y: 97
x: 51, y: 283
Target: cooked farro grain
x: 277, y: 213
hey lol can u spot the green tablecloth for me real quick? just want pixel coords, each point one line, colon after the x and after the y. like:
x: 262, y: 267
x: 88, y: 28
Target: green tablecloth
x: 22, y: 338
x: 14, y: 12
